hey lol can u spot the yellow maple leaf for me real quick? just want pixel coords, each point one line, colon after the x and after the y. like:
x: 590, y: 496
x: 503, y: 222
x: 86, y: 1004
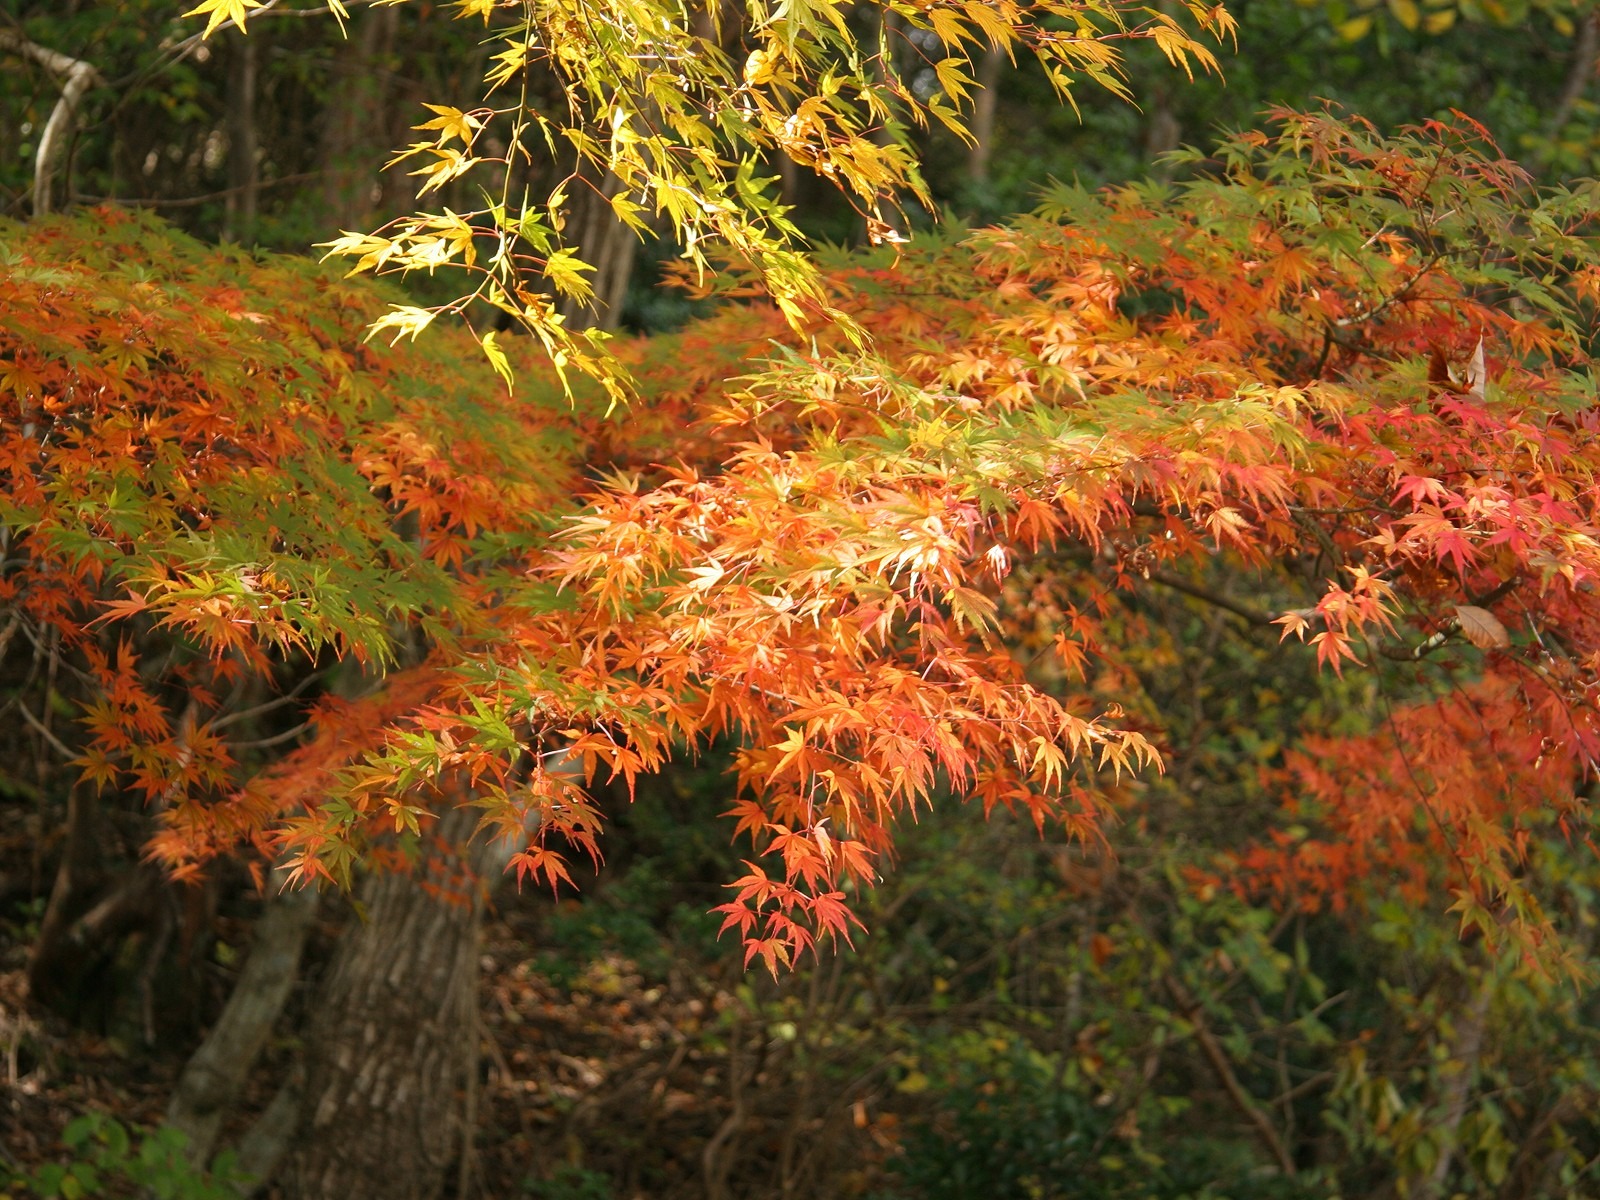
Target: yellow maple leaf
x: 218, y: 11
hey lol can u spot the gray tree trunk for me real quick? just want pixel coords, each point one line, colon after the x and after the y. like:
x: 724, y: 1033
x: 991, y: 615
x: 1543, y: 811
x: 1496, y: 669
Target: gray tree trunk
x: 215, y: 1074
x: 392, y: 1039
x: 358, y: 120
x: 985, y: 105
x: 244, y: 175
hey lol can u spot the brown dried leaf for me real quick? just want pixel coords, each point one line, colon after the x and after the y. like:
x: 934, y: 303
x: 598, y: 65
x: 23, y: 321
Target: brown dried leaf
x: 1482, y: 627
x: 1477, y: 376
x: 1439, y: 368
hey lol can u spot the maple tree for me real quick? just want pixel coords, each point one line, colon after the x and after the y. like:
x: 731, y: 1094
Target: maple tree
x: 1385, y: 418
x: 884, y: 528
x: 1335, y: 386
x: 1117, y: 384
x: 832, y: 592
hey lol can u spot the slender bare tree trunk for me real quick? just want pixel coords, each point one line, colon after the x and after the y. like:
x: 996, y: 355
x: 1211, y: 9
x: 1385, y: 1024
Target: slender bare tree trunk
x: 985, y: 105
x: 606, y: 243
x: 1465, y: 1059
x: 215, y: 1074
x: 357, y: 118
x: 1163, y: 133
x: 244, y: 181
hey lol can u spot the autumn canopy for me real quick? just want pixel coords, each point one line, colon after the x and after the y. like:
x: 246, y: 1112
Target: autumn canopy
x: 1334, y: 386
x: 1245, y: 515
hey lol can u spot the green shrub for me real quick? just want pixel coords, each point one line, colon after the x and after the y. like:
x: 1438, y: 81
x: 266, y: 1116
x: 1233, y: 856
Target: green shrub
x: 109, y: 1160
x: 1023, y: 1134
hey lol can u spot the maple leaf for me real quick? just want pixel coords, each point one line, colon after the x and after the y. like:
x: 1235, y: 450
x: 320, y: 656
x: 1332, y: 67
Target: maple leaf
x: 1482, y: 628
x: 1294, y: 623
x: 217, y: 12
x: 539, y: 861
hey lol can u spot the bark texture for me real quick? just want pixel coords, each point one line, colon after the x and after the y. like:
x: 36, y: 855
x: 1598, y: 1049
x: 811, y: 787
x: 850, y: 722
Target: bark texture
x: 388, y: 1049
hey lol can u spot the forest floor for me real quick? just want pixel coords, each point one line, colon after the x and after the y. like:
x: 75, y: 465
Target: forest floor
x: 594, y: 1079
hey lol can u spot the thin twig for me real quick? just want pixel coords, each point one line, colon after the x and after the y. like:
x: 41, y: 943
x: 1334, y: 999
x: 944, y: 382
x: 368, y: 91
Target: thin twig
x: 206, y: 198
x: 243, y: 714
x: 43, y: 731
x: 277, y: 739
x: 1218, y: 1058
x: 1254, y: 615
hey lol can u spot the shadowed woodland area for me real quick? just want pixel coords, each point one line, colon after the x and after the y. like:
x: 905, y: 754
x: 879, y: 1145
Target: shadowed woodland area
x: 919, y: 601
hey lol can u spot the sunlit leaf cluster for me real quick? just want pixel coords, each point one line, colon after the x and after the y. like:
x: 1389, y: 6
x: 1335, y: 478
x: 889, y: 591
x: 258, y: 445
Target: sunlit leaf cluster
x: 1335, y: 386
x: 679, y: 116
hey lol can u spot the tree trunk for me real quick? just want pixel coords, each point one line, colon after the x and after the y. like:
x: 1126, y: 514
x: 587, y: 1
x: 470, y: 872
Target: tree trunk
x: 216, y: 1072
x: 1163, y: 132
x: 605, y: 242
x: 985, y: 105
x: 357, y: 118
x: 244, y: 183
x: 1465, y: 1060
x: 391, y: 1039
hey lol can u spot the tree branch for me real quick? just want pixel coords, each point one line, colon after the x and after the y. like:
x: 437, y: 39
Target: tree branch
x: 1430, y: 644
x: 1218, y: 1058
x: 1254, y: 615
x: 78, y: 77
x: 204, y: 198
x: 1585, y: 65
